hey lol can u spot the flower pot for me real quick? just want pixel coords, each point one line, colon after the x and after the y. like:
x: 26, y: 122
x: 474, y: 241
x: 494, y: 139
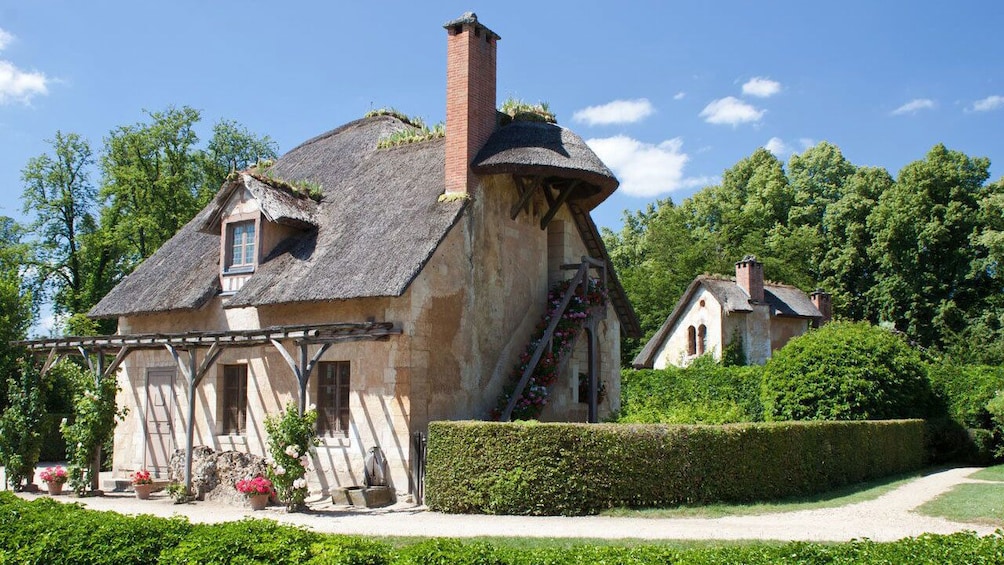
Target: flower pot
x: 258, y: 501
x: 143, y: 491
x: 54, y: 488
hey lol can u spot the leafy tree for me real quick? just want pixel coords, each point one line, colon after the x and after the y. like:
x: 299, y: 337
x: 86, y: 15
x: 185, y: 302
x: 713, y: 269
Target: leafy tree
x: 150, y: 182
x: 17, y: 301
x: 846, y: 371
x: 58, y: 191
x: 923, y: 227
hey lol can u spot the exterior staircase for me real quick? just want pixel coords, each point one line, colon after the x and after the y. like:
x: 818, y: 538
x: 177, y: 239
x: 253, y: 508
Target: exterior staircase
x: 553, y: 349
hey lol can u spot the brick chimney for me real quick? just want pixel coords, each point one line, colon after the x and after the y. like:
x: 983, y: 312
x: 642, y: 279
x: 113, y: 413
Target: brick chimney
x: 749, y: 275
x: 821, y: 301
x: 470, y: 97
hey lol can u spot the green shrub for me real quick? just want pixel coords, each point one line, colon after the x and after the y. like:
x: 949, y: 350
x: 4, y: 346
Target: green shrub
x: 244, y: 541
x: 964, y: 391
x: 21, y: 426
x: 846, y: 371
x: 963, y: 395
x: 46, y: 531
x: 49, y: 532
x: 703, y: 393
x: 345, y: 550
x: 543, y: 469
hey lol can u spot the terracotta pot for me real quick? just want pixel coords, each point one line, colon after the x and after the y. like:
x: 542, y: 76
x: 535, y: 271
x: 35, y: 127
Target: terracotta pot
x: 54, y: 488
x: 258, y: 501
x: 143, y: 491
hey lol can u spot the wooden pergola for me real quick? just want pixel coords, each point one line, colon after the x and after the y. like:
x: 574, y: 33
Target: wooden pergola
x: 185, y: 349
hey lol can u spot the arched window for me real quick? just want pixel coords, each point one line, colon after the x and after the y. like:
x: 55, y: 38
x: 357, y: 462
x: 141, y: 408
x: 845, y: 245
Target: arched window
x: 702, y: 339
x: 691, y: 341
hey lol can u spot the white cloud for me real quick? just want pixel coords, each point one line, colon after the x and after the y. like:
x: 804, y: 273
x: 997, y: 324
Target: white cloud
x: 616, y: 112
x: 914, y: 106
x: 5, y: 39
x: 988, y: 103
x: 17, y: 85
x: 806, y: 142
x: 730, y: 110
x: 777, y: 146
x: 761, y: 87
x: 679, y: 95
x: 645, y: 170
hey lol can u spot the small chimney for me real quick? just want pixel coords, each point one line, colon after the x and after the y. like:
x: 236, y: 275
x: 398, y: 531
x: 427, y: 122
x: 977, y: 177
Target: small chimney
x: 821, y: 300
x: 470, y: 97
x: 749, y: 275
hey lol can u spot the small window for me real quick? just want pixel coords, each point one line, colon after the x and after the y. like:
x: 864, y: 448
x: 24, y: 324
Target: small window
x: 241, y: 246
x: 235, y: 399
x: 333, y: 399
x: 691, y: 341
x: 702, y: 339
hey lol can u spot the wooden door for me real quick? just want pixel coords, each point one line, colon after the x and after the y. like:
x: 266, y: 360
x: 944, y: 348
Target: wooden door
x: 159, y: 409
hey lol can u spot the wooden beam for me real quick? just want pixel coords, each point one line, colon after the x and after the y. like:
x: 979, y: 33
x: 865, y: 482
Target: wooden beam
x: 525, y: 195
x: 50, y: 361
x: 114, y: 365
x: 556, y: 205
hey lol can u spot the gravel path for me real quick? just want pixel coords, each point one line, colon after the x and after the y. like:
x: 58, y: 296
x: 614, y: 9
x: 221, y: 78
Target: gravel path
x: 888, y: 517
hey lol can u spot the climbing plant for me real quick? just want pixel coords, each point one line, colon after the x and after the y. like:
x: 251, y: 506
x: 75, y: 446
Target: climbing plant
x: 535, y: 394
x: 291, y: 441
x: 21, y: 424
x: 95, y: 417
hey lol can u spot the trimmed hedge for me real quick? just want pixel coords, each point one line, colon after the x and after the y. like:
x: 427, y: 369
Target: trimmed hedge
x: 572, y: 469
x: 703, y: 393
x: 49, y: 532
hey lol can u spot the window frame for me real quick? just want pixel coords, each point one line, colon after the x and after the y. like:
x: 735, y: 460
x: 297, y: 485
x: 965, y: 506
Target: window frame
x: 230, y: 243
x: 341, y: 423
x: 234, y: 424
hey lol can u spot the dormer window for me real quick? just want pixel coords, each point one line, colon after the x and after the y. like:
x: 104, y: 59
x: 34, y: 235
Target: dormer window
x: 241, y: 246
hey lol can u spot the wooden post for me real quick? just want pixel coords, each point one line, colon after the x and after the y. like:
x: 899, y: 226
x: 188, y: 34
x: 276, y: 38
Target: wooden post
x: 594, y: 384
x: 99, y: 372
x: 190, y: 432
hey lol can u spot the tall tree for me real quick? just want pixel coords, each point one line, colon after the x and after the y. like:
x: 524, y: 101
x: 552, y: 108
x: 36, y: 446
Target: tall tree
x: 922, y: 229
x: 151, y: 179
x: 58, y: 191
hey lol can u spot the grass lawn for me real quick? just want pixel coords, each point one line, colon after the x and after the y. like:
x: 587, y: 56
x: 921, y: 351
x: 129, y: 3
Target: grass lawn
x: 979, y: 503
x: 839, y: 497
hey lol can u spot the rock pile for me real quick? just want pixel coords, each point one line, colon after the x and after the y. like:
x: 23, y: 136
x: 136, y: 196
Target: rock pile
x: 214, y: 473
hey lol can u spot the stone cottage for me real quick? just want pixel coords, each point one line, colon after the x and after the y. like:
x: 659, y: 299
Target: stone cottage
x: 759, y: 317
x: 403, y: 290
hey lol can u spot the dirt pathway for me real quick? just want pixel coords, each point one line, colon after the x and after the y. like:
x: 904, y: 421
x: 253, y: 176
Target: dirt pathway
x: 888, y: 517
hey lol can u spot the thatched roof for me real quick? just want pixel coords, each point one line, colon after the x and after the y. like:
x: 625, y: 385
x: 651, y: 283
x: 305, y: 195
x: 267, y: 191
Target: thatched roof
x: 783, y: 300
x: 379, y: 220
x: 278, y: 203
x: 377, y: 224
x: 547, y: 150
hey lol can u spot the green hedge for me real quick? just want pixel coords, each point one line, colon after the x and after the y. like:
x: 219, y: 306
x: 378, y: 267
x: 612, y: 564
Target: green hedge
x: 48, y: 532
x: 570, y: 469
x: 703, y: 393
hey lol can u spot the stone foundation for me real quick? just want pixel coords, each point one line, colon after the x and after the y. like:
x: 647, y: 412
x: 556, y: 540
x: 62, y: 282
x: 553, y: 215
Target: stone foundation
x: 214, y: 473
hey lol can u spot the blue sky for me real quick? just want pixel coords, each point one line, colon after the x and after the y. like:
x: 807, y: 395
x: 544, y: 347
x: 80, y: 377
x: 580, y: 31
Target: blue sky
x: 669, y: 94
